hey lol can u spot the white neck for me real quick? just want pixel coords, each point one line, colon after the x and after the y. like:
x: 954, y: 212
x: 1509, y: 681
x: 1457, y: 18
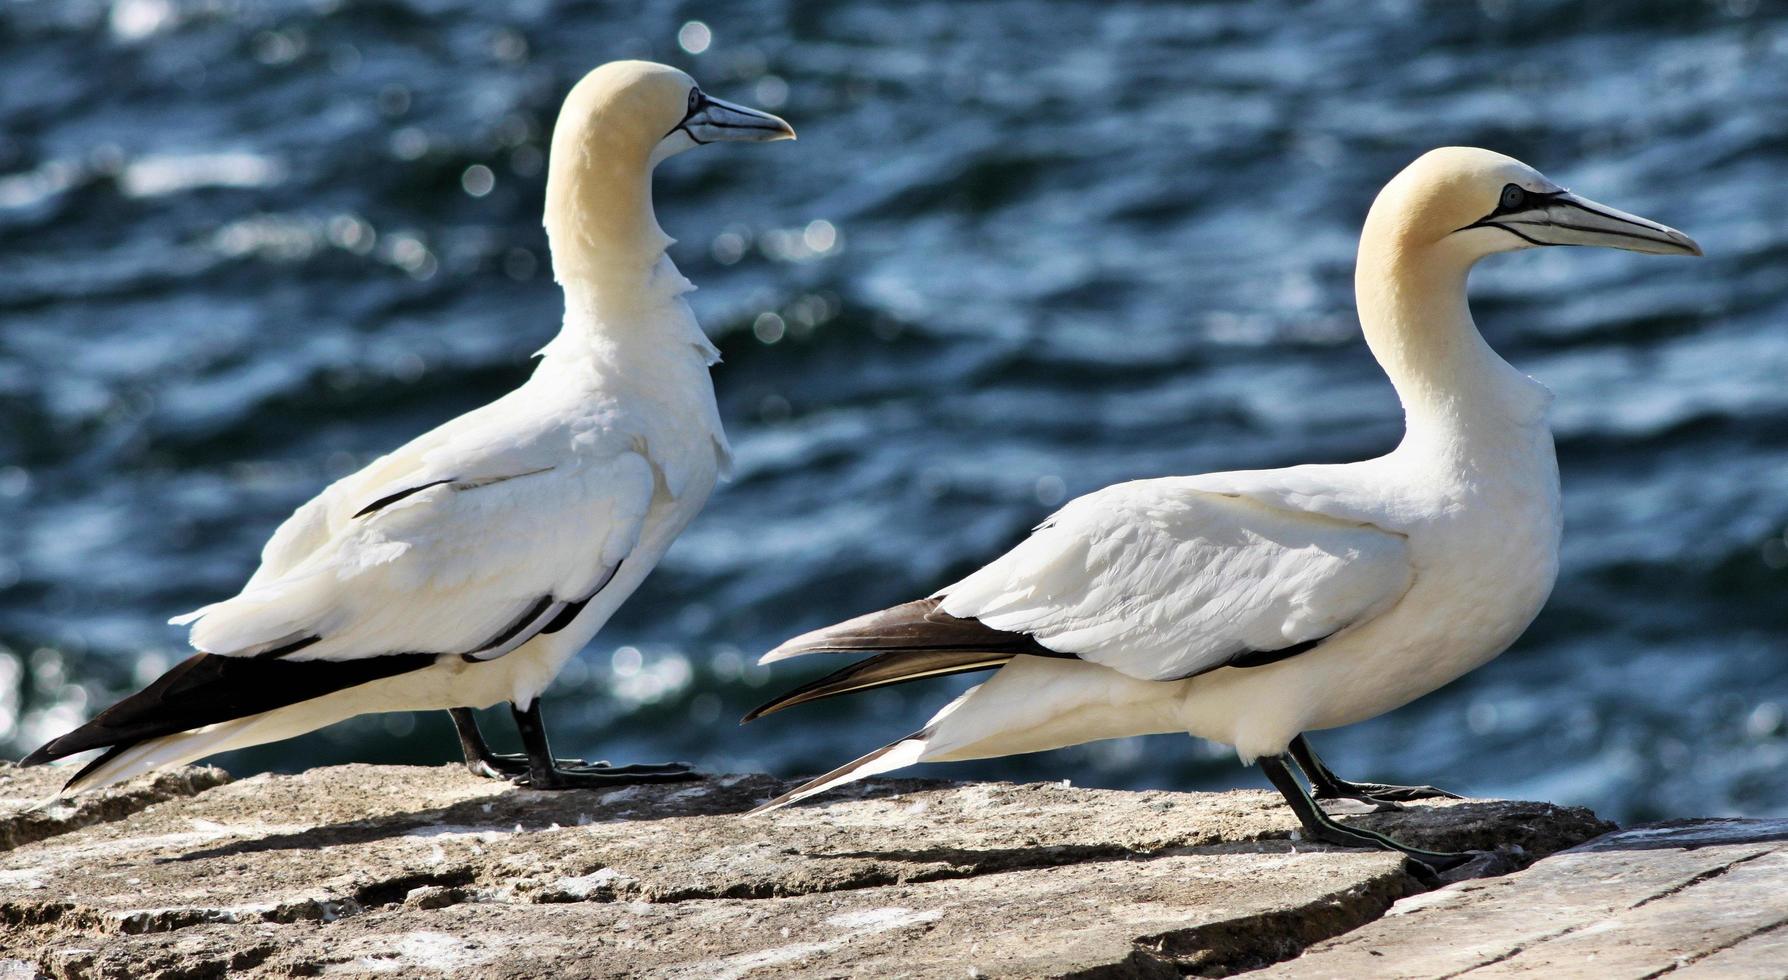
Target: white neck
x: 611, y: 320
x: 1456, y: 392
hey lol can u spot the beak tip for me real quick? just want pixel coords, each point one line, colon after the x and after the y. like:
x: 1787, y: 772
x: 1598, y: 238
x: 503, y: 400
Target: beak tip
x: 1684, y: 242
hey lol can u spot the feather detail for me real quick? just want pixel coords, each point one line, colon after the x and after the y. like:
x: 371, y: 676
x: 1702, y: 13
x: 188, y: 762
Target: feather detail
x: 205, y: 689
x: 912, y: 626
x: 881, y: 671
x: 888, y: 758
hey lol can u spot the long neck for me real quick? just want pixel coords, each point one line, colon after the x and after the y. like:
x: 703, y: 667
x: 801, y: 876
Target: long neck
x: 617, y: 323
x: 621, y: 289
x: 1455, y: 390
x: 599, y: 218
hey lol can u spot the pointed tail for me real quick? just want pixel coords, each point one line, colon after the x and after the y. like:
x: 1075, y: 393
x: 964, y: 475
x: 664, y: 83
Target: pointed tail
x: 208, y: 704
x: 896, y: 755
x: 910, y: 642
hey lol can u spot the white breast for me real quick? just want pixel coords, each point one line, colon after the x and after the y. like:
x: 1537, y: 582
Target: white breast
x: 1484, y: 546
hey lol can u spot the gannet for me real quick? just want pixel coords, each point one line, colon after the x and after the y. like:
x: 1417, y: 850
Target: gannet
x: 466, y: 567
x: 1251, y: 607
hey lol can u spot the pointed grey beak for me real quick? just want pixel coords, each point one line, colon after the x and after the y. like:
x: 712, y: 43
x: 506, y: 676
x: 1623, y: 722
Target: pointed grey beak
x: 1563, y: 218
x: 712, y: 120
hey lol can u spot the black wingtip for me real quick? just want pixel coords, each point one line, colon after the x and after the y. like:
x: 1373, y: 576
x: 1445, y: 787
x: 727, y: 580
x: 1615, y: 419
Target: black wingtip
x: 910, y: 642
x: 767, y: 708
x: 827, y: 686
x: 895, y: 667
x: 206, y: 689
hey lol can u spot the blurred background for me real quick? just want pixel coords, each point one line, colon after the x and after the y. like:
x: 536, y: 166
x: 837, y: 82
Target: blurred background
x: 1022, y: 250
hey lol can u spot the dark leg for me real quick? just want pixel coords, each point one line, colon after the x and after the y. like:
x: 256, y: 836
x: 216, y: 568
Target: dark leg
x: 479, y: 758
x: 1320, y: 826
x: 1328, y: 786
x: 545, y: 772
x: 510, y: 765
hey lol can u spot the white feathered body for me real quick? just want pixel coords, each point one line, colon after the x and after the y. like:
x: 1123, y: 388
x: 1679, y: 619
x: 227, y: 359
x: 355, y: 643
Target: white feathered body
x: 576, y: 482
x: 1249, y: 607
x: 1418, y: 567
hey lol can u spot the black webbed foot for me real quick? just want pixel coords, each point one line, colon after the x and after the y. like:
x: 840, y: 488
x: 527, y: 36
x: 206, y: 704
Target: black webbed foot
x: 605, y: 776
x: 1354, y: 803
x: 1317, y: 825
x: 1380, y: 797
x: 537, y: 767
x: 1387, y: 793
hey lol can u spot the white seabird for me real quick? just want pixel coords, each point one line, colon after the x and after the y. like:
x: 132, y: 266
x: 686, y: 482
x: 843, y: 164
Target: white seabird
x: 466, y: 567
x: 1251, y: 607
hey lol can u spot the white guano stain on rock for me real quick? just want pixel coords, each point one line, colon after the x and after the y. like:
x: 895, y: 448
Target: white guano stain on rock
x: 423, y: 950
x: 583, y: 887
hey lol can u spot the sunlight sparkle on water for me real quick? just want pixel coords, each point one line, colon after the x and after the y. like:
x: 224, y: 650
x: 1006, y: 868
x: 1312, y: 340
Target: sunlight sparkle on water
x: 478, y: 180
x: 694, y: 37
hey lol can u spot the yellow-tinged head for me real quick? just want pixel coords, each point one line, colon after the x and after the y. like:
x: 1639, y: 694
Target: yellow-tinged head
x: 617, y: 124
x: 646, y: 112
x: 1473, y: 202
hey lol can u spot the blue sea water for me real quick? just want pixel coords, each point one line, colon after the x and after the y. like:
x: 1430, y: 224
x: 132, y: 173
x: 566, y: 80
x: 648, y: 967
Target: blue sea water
x: 1023, y: 249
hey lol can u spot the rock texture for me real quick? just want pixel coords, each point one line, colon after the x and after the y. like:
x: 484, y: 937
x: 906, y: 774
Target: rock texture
x: 23, y: 819
x: 1698, y: 898
x: 363, y: 870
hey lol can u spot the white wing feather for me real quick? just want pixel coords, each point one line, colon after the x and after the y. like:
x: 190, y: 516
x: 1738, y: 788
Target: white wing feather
x: 523, y: 507
x: 1160, y: 579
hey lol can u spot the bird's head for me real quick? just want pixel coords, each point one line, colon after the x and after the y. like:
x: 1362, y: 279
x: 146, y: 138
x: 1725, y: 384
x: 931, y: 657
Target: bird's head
x: 616, y: 125
x: 646, y: 112
x: 1472, y: 203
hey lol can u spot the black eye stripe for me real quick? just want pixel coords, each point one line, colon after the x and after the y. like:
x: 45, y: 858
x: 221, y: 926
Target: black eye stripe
x: 1520, y: 200
x: 697, y: 102
x: 1517, y: 198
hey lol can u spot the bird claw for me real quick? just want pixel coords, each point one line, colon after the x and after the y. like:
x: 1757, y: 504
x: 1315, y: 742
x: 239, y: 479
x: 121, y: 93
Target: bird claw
x: 508, y: 765
x: 1351, y: 805
x: 487, y: 771
x: 641, y: 769
x: 1404, y: 794
x: 608, y: 777
x: 1384, y: 797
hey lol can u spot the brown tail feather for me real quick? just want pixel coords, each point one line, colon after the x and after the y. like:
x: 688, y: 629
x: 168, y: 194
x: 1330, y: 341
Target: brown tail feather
x: 912, y: 641
x: 910, y: 626
x: 882, y: 670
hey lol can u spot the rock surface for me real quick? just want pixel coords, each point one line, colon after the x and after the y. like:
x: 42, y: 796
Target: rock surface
x: 22, y: 820
x: 1695, y: 898
x: 363, y: 870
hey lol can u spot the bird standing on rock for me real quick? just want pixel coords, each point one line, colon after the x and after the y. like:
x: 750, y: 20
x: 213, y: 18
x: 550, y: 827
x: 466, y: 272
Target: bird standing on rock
x: 465, y: 568
x: 1251, y: 607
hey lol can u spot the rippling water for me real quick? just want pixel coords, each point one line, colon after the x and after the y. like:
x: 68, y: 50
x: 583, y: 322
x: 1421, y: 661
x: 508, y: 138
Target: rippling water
x: 1022, y: 250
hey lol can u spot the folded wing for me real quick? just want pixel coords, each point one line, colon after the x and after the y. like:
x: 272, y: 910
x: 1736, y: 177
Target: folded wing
x: 442, y: 548
x: 469, y: 541
x: 1157, y: 579
x: 1161, y: 580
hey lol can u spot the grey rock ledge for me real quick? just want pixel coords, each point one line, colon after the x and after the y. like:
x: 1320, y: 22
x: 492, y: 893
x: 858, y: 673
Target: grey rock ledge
x: 379, y: 870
